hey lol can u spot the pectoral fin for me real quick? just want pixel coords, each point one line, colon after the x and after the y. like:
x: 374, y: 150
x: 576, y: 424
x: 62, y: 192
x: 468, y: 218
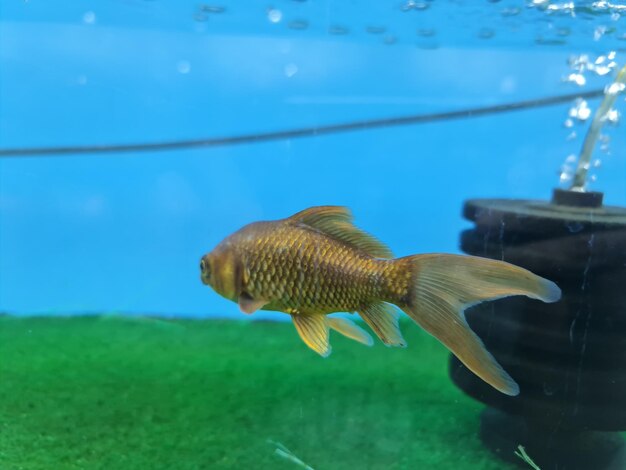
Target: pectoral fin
x: 350, y: 330
x: 313, y: 330
x: 249, y: 305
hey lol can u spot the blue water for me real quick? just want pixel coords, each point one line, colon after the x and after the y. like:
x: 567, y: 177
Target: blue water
x: 125, y: 232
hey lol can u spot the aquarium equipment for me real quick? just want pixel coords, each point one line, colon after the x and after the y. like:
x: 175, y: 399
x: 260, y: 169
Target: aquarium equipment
x: 570, y: 357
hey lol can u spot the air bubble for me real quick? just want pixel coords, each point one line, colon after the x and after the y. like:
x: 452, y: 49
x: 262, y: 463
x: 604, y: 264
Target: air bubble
x: 183, y: 67
x: 577, y: 78
x: 508, y: 85
x: 599, y: 32
x: 274, y: 15
x: 562, y: 8
x: 612, y: 116
x: 601, y: 66
x: 413, y: 5
x: 291, y: 70
x: 89, y: 17
x: 580, y: 111
x: 568, y: 123
x: 565, y: 176
x: 605, y: 141
x: 578, y: 63
x: 566, y: 173
x: 614, y: 88
x: 408, y: 5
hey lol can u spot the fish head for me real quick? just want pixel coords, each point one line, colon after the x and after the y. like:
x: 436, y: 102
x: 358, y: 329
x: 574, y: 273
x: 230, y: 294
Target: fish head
x: 221, y: 269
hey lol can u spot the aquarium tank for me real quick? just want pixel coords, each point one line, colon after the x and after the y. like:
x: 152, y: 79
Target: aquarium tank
x: 200, y: 201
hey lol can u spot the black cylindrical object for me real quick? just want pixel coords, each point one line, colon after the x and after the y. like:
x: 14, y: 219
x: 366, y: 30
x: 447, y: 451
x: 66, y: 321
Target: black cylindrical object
x: 569, y: 358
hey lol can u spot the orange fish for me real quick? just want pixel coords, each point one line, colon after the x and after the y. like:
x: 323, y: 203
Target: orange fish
x: 317, y: 262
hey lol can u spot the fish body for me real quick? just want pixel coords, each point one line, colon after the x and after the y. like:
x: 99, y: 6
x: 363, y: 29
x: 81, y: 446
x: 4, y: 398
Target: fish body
x: 300, y: 270
x: 317, y: 262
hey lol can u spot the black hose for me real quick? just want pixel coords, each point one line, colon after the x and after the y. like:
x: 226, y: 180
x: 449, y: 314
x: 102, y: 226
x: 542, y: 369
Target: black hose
x: 296, y: 133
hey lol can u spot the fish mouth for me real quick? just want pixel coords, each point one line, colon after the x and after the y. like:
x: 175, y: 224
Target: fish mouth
x: 204, y: 280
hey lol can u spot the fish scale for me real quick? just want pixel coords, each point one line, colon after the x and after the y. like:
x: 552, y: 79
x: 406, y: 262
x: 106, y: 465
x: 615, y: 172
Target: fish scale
x: 315, y: 271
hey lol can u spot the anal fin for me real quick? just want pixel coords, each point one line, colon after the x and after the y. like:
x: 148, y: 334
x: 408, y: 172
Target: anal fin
x: 350, y: 330
x: 313, y: 330
x: 383, y: 318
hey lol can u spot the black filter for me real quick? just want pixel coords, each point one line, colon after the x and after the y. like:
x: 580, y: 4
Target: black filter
x: 569, y: 357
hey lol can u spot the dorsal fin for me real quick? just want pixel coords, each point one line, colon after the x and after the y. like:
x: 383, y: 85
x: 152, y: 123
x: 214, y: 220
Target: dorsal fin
x: 336, y: 222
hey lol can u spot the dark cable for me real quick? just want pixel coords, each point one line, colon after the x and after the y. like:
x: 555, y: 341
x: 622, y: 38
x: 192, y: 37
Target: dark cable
x: 302, y: 132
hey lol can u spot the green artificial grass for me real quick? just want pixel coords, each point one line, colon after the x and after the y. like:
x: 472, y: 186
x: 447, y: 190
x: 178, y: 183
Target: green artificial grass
x: 121, y: 393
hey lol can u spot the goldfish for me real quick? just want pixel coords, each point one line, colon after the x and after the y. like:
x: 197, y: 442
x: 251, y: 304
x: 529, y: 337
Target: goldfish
x: 317, y: 262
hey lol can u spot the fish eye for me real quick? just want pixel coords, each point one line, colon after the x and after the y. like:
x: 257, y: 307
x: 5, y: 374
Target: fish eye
x: 204, y: 267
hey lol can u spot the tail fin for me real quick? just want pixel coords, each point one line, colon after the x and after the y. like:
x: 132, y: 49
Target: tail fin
x: 443, y: 286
